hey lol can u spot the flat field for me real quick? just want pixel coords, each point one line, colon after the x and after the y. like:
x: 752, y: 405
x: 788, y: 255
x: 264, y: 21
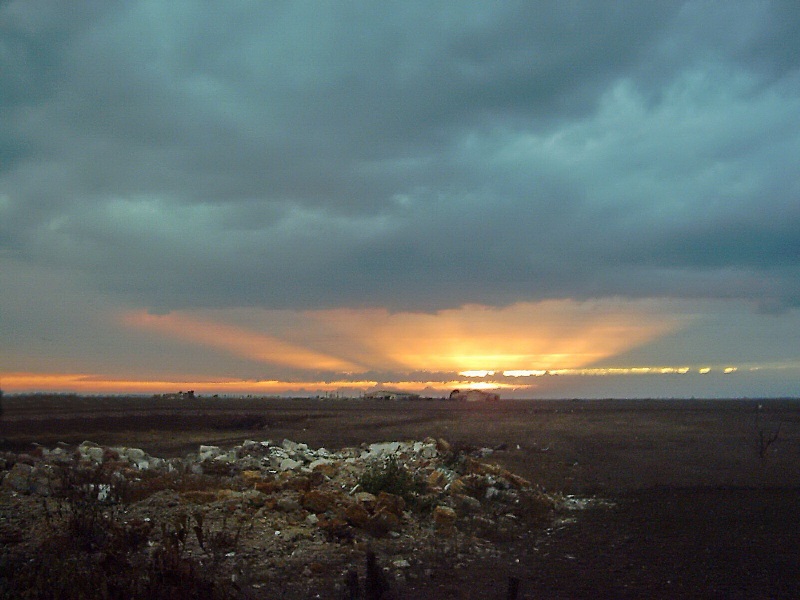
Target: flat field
x: 705, y: 495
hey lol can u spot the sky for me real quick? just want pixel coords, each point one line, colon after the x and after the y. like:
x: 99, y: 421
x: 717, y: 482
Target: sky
x: 547, y: 199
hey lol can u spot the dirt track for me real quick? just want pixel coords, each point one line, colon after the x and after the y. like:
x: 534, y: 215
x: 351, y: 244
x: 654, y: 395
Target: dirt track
x: 698, y: 513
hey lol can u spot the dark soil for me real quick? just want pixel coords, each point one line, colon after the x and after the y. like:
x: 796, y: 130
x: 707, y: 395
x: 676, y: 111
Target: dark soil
x: 699, y: 508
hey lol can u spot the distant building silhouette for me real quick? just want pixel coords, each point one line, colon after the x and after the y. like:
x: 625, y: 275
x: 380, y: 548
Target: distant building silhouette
x: 474, y: 396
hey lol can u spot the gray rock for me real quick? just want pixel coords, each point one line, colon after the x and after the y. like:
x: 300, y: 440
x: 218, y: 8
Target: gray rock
x: 250, y: 446
x: 493, y: 493
x: 93, y: 453
x: 249, y: 463
x: 429, y: 451
x: 384, y: 449
x: 227, y: 457
x: 132, y: 454
x: 208, y: 452
x: 289, y: 464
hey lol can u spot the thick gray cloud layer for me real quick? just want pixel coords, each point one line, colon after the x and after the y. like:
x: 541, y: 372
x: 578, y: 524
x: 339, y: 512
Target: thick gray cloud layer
x: 409, y: 155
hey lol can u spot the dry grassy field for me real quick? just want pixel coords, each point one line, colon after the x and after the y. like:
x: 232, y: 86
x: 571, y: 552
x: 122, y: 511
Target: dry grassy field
x: 706, y: 494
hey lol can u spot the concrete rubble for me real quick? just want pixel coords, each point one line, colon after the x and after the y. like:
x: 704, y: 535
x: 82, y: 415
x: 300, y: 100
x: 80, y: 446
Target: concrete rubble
x: 295, y: 501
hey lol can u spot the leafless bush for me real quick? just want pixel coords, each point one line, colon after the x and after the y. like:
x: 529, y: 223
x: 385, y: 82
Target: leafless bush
x: 766, y: 436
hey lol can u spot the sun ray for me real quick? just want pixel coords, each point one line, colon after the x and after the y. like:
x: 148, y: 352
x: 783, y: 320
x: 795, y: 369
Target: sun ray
x: 239, y: 341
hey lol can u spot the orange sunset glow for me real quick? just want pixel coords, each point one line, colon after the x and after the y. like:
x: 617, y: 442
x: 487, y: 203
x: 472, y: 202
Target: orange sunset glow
x: 546, y: 335
x: 353, y: 351
x: 95, y: 384
x: 237, y: 340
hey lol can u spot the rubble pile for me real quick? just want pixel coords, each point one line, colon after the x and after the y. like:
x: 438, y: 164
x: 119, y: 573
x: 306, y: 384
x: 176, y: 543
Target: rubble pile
x: 268, y: 510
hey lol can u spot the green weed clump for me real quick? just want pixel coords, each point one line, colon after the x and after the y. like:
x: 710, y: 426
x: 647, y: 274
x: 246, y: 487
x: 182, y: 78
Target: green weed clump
x: 390, y: 476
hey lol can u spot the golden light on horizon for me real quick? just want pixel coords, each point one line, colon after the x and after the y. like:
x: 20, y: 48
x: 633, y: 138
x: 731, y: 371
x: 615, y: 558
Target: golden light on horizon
x: 89, y: 383
x: 98, y: 384
x: 476, y: 373
x: 525, y: 373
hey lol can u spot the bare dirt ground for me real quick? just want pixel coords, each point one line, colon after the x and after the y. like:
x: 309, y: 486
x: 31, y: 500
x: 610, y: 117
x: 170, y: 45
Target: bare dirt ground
x: 703, y: 505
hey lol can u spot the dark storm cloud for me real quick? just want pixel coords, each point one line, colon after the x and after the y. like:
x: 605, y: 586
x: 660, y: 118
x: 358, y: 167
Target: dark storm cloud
x: 408, y: 155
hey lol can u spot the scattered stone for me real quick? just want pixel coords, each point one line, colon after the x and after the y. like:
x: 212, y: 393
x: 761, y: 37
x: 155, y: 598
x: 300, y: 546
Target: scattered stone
x: 380, y: 450
x: 458, y: 486
x: 208, y: 452
x: 466, y: 504
x: 304, y: 498
x: 437, y: 478
x: 327, y: 470
x: 357, y: 515
x: 318, y: 502
x: 444, y: 518
x: 288, y: 504
x: 429, y: 451
x: 390, y: 503
x: 226, y: 458
x: 492, y: 493
x: 93, y: 453
x: 382, y: 522
x: 367, y: 499
x: 319, y: 463
x: 298, y: 483
x: 132, y: 454
x: 289, y: 464
x: 254, y: 498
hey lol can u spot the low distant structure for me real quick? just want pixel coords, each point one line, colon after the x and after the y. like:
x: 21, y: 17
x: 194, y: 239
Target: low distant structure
x: 390, y: 395
x: 178, y: 396
x: 474, y: 396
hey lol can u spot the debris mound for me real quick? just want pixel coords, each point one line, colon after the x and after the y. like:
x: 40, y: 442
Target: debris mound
x: 260, y: 513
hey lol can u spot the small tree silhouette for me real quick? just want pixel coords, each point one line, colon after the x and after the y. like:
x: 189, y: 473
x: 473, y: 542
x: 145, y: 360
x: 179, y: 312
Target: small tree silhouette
x: 765, y: 437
